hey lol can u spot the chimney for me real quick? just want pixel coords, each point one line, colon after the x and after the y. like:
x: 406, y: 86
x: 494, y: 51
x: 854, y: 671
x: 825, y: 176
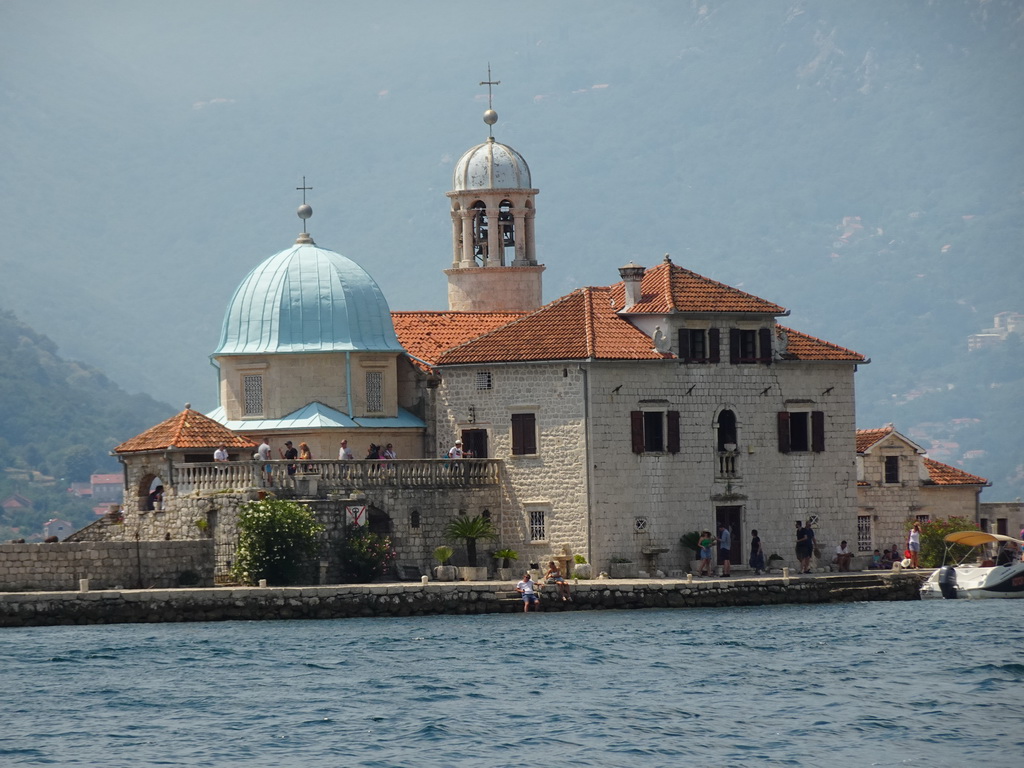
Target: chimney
x: 632, y: 276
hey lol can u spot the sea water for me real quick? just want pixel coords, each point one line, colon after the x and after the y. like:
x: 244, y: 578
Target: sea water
x: 935, y: 683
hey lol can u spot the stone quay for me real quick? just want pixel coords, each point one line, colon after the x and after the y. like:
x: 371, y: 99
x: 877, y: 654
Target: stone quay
x: 122, y: 606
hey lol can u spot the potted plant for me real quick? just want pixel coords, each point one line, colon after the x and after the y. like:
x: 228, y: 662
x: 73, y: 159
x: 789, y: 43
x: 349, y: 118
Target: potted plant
x: 623, y: 568
x: 469, y: 529
x: 580, y: 567
x: 691, y: 549
x: 774, y: 561
x: 443, y: 571
x: 506, y: 556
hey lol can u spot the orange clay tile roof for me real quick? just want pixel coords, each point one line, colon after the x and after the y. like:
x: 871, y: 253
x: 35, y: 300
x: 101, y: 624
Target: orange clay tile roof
x: 189, y: 429
x: 579, y: 326
x: 804, y: 347
x: 669, y: 288
x: 426, y: 335
x: 868, y: 437
x: 943, y: 474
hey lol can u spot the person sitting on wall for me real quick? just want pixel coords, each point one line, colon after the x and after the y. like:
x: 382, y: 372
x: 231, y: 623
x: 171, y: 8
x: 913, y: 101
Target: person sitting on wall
x: 843, y: 556
x: 156, y: 498
x: 526, y: 589
x: 554, y: 576
x: 876, y: 560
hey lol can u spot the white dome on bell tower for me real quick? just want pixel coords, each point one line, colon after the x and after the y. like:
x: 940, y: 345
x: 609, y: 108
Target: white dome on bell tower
x: 494, y: 258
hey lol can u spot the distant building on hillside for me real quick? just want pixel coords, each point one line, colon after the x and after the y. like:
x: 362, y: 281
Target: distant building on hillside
x: 107, y: 488
x: 15, y: 502
x: 57, y: 527
x: 1003, y: 325
x: 897, y: 482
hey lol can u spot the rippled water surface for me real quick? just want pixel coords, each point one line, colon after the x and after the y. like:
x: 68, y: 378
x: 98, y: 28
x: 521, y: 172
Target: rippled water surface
x: 923, y: 684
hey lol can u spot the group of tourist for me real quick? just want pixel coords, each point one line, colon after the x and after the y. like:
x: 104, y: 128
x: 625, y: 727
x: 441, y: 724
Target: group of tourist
x: 527, y: 588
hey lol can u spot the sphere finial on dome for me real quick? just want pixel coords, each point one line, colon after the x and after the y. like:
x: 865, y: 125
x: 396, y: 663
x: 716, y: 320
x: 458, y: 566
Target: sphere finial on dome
x: 490, y: 116
x: 304, y: 212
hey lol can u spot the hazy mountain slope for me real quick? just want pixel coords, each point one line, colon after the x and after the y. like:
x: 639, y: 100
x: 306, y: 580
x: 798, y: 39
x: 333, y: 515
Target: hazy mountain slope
x: 859, y: 163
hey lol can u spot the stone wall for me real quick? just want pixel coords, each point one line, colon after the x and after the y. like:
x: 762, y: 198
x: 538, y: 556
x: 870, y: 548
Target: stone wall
x: 334, y: 602
x: 107, y: 565
x: 606, y: 502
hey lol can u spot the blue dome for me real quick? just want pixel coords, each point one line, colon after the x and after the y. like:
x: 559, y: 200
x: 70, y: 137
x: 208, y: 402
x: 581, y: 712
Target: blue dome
x: 307, y: 299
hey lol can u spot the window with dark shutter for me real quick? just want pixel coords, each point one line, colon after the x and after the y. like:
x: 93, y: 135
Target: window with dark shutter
x: 654, y: 431
x: 673, y: 431
x: 765, y: 343
x: 636, y: 429
x: 524, y: 434
x: 783, y: 423
x: 684, y: 344
x: 714, y: 345
x: 892, y: 469
x: 817, y: 431
x: 734, y: 345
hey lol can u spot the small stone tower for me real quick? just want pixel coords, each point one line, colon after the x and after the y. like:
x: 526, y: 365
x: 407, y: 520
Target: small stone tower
x: 494, y: 263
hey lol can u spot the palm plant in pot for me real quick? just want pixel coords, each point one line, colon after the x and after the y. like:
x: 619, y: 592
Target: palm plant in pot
x: 470, y: 529
x: 444, y: 572
x: 505, y: 556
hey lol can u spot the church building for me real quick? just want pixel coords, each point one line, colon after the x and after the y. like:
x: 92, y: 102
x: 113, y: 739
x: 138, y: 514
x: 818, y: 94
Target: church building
x: 608, y: 422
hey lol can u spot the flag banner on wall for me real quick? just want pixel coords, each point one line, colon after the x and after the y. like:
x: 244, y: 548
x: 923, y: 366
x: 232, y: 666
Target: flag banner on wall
x: 356, y: 515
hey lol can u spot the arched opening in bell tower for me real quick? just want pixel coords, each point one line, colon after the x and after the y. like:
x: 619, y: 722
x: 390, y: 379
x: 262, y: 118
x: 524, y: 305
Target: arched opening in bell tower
x: 507, y: 232
x: 480, y: 229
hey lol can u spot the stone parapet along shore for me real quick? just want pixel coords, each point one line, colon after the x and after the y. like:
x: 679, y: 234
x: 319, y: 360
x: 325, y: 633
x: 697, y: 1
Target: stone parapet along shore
x: 119, y: 606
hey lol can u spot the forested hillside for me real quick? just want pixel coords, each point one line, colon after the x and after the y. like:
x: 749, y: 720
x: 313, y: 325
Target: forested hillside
x: 59, y: 421
x: 860, y: 163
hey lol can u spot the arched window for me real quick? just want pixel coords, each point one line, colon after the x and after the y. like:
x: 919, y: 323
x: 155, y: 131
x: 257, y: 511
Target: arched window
x: 726, y: 430
x: 507, y: 229
x: 480, y: 225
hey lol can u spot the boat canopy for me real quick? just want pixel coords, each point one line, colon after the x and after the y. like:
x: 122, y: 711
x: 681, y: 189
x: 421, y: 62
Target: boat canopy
x: 978, y: 538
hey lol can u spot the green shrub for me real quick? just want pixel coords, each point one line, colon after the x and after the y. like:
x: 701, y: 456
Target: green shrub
x: 579, y: 559
x: 277, y: 540
x: 443, y: 554
x: 933, y: 544
x: 364, y: 555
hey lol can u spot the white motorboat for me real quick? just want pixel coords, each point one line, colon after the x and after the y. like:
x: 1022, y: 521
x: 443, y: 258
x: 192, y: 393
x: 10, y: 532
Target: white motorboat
x: 1004, y: 579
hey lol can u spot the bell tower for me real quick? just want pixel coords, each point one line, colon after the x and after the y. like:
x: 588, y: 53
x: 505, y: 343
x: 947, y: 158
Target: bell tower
x: 494, y: 259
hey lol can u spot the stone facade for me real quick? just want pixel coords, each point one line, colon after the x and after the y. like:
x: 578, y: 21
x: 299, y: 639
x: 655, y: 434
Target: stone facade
x: 895, y: 487
x: 602, y: 500
x: 106, y: 564
x: 994, y: 516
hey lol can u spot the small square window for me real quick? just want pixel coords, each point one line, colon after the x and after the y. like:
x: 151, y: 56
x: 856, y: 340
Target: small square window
x: 483, y: 380
x: 640, y: 525
x: 864, y: 533
x: 537, y: 532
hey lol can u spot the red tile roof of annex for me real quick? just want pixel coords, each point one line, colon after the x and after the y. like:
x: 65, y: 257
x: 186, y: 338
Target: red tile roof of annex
x: 938, y: 473
x: 668, y: 288
x: 944, y: 474
x: 581, y: 325
x: 188, y: 429
x: 585, y: 324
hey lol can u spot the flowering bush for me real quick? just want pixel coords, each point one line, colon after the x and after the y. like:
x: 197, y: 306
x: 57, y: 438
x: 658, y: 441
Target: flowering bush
x: 933, y: 544
x: 277, y: 539
x: 365, y: 555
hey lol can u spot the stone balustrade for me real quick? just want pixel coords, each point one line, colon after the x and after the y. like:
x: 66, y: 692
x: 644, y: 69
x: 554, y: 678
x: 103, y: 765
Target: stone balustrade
x: 333, y: 475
